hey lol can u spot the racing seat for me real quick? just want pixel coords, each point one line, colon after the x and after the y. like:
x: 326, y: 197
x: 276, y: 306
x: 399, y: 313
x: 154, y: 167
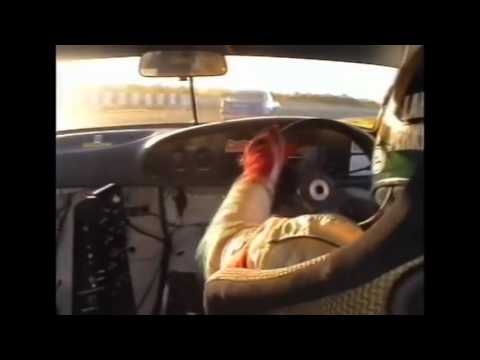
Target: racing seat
x: 382, y: 273
x: 407, y: 294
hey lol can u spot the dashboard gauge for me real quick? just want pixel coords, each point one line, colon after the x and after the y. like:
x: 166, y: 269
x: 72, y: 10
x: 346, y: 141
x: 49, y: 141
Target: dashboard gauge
x: 210, y: 155
x: 203, y: 159
x: 179, y: 160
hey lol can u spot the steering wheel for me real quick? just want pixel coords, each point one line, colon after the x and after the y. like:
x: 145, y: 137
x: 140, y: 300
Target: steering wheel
x: 309, y: 186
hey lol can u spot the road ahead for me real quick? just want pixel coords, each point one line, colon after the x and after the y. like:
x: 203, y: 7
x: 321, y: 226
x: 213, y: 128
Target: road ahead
x: 78, y: 119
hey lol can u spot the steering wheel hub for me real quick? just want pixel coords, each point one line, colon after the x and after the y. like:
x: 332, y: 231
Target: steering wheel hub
x: 319, y: 190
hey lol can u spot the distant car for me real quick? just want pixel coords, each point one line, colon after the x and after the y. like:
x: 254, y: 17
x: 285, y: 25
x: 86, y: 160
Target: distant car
x: 248, y: 103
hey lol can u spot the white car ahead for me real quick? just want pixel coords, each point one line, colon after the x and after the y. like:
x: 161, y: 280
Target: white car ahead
x: 248, y: 103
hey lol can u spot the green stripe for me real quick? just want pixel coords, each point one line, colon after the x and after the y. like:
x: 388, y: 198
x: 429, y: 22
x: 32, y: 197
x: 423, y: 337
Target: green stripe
x: 400, y: 163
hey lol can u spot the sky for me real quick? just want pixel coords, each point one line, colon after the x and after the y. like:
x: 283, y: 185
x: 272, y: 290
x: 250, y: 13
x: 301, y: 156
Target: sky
x: 281, y: 75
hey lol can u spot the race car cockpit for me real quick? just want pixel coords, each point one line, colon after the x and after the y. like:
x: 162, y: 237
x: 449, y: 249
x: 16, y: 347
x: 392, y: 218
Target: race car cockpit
x: 144, y: 161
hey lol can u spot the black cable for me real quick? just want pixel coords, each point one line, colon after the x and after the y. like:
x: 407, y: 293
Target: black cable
x: 166, y: 241
x: 162, y: 267
x: 157, y: 270
x: 149, y: 287
x: 143, y: 232
x: 380, y: 211
x: 164, y: 262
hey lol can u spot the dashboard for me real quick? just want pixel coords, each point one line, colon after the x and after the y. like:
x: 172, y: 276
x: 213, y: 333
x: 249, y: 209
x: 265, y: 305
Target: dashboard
x: 210, y: 155
x: 204, y: 155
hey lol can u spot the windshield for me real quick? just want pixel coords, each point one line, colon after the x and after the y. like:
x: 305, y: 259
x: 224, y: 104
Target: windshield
x: 110, y: 92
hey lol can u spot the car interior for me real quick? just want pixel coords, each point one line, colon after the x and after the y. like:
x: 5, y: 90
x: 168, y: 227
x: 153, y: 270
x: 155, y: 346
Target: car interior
x: 133, y: 200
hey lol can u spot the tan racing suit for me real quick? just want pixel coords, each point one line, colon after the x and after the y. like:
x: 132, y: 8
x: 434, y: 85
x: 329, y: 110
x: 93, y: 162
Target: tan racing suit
x: 244, y: 234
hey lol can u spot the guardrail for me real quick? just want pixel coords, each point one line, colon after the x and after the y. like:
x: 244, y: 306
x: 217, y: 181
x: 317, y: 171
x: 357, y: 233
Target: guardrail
x: 122, y: 100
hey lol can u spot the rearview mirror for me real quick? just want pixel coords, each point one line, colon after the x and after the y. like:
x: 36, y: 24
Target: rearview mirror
x: 182, y: 64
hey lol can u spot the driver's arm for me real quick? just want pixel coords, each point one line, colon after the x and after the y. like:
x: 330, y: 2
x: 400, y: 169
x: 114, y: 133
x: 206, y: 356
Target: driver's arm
x: 243, y: 234
x: 247, y: 204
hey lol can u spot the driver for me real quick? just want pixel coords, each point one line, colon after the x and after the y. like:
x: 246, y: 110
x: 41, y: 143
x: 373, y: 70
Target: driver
x: 243, y: 233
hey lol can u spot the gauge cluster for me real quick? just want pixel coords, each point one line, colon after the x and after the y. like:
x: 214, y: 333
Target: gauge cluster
x: 204, y: 155
x: 209, y: 155
x: 191, y: 159
x: 201, y: 160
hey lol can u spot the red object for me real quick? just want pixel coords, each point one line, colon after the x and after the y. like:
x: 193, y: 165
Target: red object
x: 239, y: 260
x: 257, y: 163
x: 258, y: 156
x: 290, y: 150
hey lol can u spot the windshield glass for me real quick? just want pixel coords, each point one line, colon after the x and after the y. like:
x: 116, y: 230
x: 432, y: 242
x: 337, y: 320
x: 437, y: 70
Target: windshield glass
x: 110, y: 92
